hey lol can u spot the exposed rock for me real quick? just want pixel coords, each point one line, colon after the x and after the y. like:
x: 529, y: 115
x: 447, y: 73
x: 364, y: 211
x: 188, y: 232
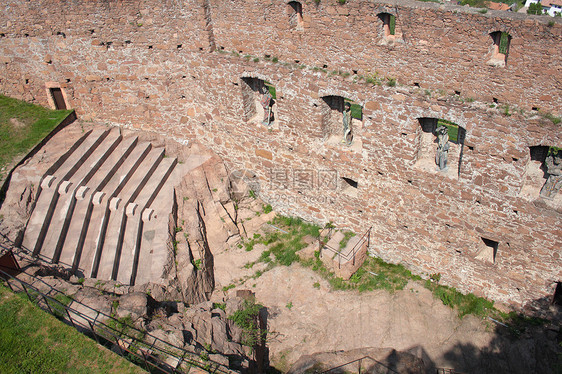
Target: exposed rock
x: 379, y: 361
x: 135, y: 304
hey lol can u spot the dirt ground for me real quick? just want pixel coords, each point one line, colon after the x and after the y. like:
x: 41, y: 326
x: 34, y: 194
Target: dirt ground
x: 305, y: 316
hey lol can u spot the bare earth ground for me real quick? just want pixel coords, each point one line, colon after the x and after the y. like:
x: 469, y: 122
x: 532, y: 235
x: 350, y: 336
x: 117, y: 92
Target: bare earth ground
x: 304, y: 319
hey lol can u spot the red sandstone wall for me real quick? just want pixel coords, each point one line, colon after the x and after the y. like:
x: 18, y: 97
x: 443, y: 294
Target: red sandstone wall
x: 440, y: 47
x: 430, y: 222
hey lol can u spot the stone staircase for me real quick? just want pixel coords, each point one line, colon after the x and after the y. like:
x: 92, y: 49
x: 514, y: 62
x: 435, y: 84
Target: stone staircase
x: 102, y: 209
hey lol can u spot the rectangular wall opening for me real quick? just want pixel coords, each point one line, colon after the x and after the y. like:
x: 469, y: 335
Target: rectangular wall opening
x: 259, y: 101
x: 58, y: 98
x: 488, y: 250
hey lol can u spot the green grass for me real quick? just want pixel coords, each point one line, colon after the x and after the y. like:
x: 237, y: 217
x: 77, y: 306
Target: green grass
x: 33, y: 124
x: 374, y: 274
x: 346, y: 236
x: 271, y: 89
x: 392, y: 24
x: 452, y: 127
x: 465, y: 304
x: 33, y: 341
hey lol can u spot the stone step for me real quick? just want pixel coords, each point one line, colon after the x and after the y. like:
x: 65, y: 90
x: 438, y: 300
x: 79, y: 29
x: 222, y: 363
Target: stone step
x: 72, y: 248
x: 48, y: 195
x: 154, y: 253
x: 54, y: 239
x: 107, y: 265
x: 95, y: 233
x: 128, y: 258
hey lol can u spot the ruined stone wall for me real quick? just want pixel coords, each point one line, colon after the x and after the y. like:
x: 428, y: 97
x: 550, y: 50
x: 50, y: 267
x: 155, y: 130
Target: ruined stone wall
x: 430, y: 221
x: 436, y: 46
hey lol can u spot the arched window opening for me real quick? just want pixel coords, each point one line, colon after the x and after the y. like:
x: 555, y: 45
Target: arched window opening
x: 294, y: 9
x: 259, y: 101
x: 341, y: 121
x: 389, y: 24
x: 543, y: 174
x: 501, y: 41
x: 440, y: 146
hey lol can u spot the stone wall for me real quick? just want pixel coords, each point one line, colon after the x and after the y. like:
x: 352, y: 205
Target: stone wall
x: 160, y: 66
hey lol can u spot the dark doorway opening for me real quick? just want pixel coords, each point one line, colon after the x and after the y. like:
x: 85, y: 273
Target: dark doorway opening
x: 56, y: 93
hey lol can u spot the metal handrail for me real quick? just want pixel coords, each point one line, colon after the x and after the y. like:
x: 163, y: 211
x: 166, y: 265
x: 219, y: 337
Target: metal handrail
x: 194, y: 358
x: 351, y: 255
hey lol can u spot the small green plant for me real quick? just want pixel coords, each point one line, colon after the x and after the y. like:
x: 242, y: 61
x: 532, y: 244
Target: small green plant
x: 267, y: 208
x: 317, y: 2
x: 81, y: 281
x: 178, y: 229
x: 247, y: 320
x: 197, y: 264
x: 435, y: 277
x: 215, y: 190
x: 316, y: 285
x: 555, y: 120
x: 185, y: 198
x: 226, y: 288
x: 249, y: 246
x: 289, y: 305
x: 506, y: 110
x: 391, y: 82
x: 252, y: 194
x: 550, y: 23
x: 483, y: 11
x: 256, y: 59
x: 342, y: 2
x: 346, y: 236
x: 275, y: 60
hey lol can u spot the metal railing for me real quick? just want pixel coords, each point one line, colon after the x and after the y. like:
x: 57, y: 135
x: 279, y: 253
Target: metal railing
x: 350, y: 256
x: 139, y: 347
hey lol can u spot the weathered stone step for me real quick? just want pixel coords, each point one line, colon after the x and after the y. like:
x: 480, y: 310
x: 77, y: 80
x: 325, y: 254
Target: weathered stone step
x: 40, y: 218
x: 106, y: 267
x: 54, y: 239
x: 72, y: 248
x: 94, y: 237
x: 128, y: 259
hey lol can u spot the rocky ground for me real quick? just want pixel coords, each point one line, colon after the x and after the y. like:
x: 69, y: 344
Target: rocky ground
x: 305, y: 317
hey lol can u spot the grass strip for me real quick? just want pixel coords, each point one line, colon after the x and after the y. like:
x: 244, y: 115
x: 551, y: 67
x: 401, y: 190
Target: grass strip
x: 33, y: 341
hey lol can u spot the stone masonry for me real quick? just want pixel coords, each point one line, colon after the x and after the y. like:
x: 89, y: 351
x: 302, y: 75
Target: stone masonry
x: 177, y: 68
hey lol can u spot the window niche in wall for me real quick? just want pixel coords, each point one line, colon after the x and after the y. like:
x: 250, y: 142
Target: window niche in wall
x: 259, y: 101
x: 294, y: 11
x: 543, y: 174
x: 500, y: 48
x: 56, y: 96
x: 342, y: 120
x: 488, y: 250
x: 349, y: 186
x: 440, y: 146
x: 388, y: 24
